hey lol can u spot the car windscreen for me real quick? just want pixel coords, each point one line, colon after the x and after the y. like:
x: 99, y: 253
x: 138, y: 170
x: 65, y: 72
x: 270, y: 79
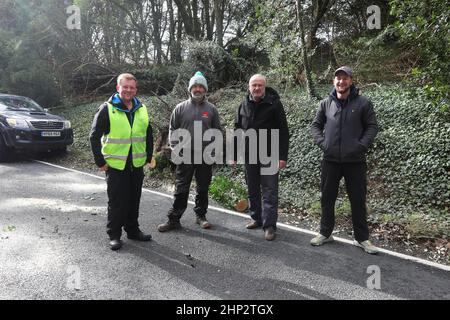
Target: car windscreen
x: 18, y: 103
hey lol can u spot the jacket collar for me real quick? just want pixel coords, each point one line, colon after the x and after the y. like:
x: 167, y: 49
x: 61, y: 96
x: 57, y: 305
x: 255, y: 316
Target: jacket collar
x: 118, y: 104
x: 270, y: 96
x: 354, y: 92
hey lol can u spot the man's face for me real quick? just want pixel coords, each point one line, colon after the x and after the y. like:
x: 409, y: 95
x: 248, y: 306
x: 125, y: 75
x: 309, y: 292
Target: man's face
x: 198, y: 91
x: 127, y: 89
x: 257, y: 88
x: 342, y: 82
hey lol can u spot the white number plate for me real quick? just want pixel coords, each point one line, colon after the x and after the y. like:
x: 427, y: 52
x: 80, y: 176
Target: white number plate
x: 51, y: 133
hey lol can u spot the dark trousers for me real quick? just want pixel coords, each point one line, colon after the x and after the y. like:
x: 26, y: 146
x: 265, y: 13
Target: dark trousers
x: 265, y: 211
x: 356, y: 185
x: 184, y: 174
x: 124, y: 195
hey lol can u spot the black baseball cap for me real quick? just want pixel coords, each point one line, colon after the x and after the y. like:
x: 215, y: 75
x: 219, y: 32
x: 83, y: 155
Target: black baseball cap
x: 345, y: 69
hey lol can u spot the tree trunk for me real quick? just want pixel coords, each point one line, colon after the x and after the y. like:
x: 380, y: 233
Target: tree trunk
x: 320, y: 8
x: 178, y: 57
x: 309, y: 82
x: 218, y: 13
x: 184, y: 11
x: 172, y: 40
x: 195, y: 20
x: 156, y: 22
x: 207, y: 19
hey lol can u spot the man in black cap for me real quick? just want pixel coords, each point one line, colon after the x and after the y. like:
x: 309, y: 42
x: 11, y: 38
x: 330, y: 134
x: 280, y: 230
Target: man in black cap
x: 344, y: 127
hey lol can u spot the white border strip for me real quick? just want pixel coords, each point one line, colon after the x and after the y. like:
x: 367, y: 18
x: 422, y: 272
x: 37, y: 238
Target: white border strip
x: 285, y: 226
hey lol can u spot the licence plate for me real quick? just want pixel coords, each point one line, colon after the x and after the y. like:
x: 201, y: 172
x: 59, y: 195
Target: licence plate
x: 51, y: 133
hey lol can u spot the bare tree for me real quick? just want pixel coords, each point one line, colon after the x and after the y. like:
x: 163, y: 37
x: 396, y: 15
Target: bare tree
x: 319, y: 9
x: 309, y: 82
x: 218, y: 13
x: 208, y: 21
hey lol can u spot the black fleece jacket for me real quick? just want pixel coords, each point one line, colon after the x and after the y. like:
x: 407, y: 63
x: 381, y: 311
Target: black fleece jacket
x: 345, y: 129
x: 266, y: 114
x: 101, y: 126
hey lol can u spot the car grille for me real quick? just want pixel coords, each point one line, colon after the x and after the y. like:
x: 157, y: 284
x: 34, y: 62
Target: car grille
x: 47, y: 125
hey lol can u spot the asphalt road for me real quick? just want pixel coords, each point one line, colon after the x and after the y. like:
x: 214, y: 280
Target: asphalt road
x: 53, y: 245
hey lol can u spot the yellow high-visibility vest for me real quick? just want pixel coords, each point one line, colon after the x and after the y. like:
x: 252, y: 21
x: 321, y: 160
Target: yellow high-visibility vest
x: 121, y: 137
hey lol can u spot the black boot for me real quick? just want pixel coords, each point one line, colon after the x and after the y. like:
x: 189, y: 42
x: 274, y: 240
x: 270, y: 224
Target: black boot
x: 139, y: 236
x: 115, y: 244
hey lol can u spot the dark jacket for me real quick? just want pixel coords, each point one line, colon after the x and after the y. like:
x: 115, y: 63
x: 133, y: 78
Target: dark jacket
x: 187, y: 112
x: 345, y: 129
x: 265, y: 114
x: 101, y: 126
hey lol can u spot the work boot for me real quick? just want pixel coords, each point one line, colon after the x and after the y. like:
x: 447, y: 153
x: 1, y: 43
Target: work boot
x: 201, y: 220
x: 169, y: 225
x: 253, y: 225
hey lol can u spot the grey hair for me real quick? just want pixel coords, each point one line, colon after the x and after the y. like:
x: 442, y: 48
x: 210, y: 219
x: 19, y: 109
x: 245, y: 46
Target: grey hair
x: 258, y: 75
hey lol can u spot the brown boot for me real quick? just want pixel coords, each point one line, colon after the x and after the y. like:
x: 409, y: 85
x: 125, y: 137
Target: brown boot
x: 169, y: 225
x: 201, y: 220
x: 253, y: 225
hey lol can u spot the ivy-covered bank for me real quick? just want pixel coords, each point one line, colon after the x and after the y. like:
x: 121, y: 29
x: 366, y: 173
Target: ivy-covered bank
x: 409, y: 164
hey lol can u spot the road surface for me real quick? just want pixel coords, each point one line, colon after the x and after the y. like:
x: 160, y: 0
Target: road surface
x: 53, y: 245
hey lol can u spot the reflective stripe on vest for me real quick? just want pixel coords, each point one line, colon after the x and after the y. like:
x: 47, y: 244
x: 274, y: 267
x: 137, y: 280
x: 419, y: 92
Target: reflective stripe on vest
x: 121, y: 137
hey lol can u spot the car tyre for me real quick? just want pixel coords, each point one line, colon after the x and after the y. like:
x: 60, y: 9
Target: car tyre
x: 5, y: 151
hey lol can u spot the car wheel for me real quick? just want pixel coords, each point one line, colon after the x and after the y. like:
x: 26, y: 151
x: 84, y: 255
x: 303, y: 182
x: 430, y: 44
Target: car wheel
x: 5, y: 151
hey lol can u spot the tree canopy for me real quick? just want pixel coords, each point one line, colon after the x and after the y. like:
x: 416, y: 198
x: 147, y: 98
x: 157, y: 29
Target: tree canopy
x: 54, y: 49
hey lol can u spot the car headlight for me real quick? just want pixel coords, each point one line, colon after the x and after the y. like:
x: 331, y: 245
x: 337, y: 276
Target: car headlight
x: 17, y: 123
x: 67, y: 125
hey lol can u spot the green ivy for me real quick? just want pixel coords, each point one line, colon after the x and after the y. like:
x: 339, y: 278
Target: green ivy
x: 227, y: 191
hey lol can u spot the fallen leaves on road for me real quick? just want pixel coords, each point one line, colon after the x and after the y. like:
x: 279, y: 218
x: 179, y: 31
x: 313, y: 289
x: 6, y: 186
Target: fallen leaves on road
x: 9, y: 228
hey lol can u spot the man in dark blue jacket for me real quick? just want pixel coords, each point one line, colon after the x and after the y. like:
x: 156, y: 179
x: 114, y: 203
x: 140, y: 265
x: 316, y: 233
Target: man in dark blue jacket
x: 344, y: 127
x: 122, y: 143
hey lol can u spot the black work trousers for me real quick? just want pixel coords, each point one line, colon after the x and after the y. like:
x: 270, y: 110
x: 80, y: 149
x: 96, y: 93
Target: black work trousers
x: 265, y: 210
x: 356, y: 184
x: 124, y: 189
x: 184, y: 174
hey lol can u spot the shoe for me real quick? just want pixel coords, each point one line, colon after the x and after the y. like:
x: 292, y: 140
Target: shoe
x: 140, y: 236
x: 115, y: 244
x: 320, y: 240
x: 367, y: 246
x: 203, y: 222
x: 269, y: 234
x: 253, y: 225
x: 169, y: 225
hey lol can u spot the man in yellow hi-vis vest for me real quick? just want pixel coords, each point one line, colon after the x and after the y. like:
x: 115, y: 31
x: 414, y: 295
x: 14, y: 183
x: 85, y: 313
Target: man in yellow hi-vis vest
x: 122, y: 143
